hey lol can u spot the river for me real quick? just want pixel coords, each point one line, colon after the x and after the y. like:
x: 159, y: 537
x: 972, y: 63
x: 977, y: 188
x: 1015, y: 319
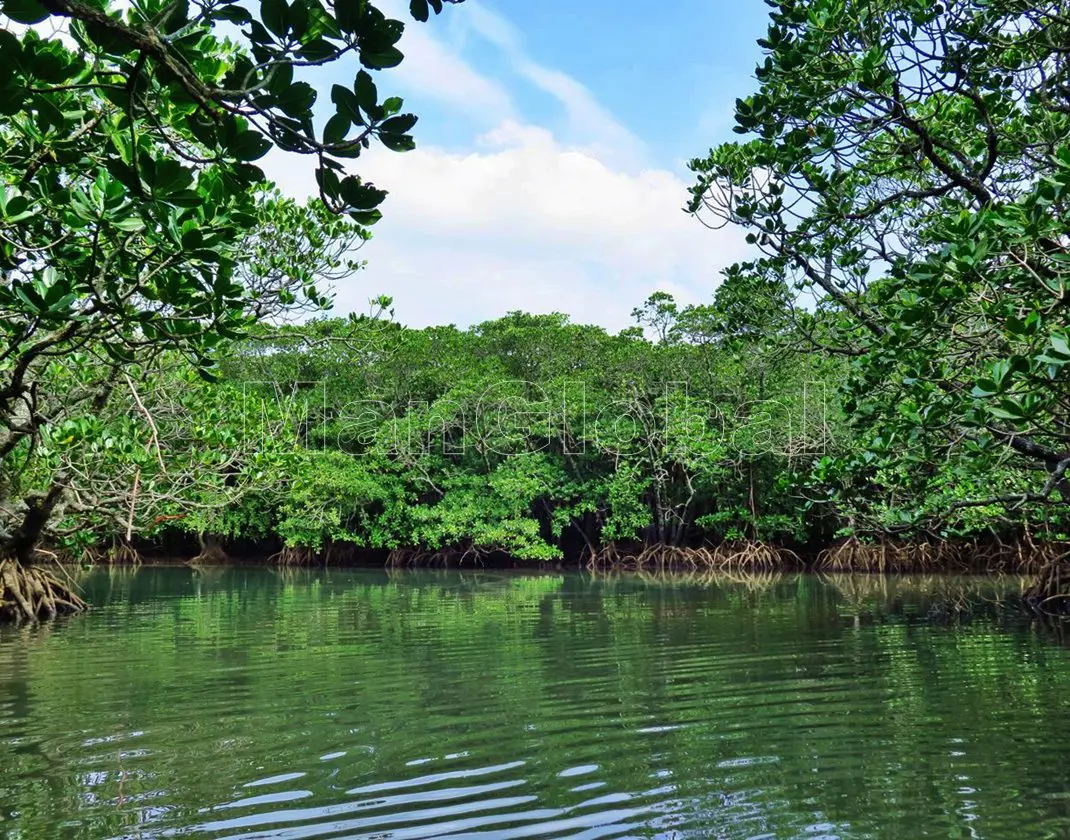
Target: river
x: 259, y: 703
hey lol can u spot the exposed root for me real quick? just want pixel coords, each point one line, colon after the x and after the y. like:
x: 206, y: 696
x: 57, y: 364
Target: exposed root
x: 344, y: 553
x: 741, y: 557
x: 1023, y: 556
x: 1050, y: 589
x: 116, y: 554
x: 293, y: 556
x: 444, y: 557
x: 124, y: 554
x: 948, y: 595
x: 757, y: 580
x: 31, y: 593
x: 852, y: 555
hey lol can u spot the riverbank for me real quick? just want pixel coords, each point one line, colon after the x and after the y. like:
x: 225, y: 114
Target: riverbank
x: 1045, y: 564
x: 1025, y: 554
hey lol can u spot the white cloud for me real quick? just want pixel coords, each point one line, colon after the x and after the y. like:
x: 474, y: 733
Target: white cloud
x: 600, y: 130
x: 431, y: 71
x: 526, y: 223
x: 526, y: 218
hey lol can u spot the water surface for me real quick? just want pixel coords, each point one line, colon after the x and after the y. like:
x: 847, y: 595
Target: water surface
x: 249, y: 703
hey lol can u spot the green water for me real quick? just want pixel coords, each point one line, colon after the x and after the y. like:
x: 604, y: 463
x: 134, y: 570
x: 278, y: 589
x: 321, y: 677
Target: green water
x: 253, y: 704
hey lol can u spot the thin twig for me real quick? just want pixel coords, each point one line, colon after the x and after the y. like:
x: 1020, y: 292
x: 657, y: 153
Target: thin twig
x: 152, y: 424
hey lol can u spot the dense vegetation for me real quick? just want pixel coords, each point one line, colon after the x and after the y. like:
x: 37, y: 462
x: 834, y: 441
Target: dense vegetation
x: 132, y: 213
x: 890, y: 368
x: 910, y: 176
x: 527, y: 436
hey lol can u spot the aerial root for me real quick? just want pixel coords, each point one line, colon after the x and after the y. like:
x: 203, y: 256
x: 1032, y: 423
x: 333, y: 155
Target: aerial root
x: 31, y: 593
x: 445, y: 557
x: 1050, y: 589
x: 739, y: 556
x: 1022, y: 556
x: 119, y: 553
x: 294, y: 556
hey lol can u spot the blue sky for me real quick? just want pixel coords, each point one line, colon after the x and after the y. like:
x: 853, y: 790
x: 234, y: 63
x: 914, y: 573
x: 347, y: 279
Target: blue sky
x: 551, y: 164
x: 670, y: 77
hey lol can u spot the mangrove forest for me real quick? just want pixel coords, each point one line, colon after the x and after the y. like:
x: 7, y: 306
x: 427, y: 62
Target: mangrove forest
x: 674, y: 444
x: 881, y: 384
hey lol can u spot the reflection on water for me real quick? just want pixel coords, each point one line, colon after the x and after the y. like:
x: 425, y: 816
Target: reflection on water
x: 249, y: 703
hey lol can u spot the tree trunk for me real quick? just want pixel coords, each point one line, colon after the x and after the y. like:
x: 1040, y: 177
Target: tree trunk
x: 28, y: 592
x: 211, y: 551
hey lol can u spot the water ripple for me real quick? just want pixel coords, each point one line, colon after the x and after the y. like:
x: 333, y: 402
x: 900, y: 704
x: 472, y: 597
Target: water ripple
x: 364, y: 705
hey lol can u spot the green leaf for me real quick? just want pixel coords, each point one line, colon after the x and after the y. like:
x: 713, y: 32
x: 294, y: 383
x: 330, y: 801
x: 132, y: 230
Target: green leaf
x: 336, y: 129
x: 297, y: 100
x: 366, y: 217
x: 320, y: 23
x: 366, y: 94
x: 298, y: 19
x: 318, y: 49
x: 398, y: 142
x: 360, y: 196
x: 1056, y: 361
x: 166, y: 176
x: 107, y: 39
x: 346, y: 13
x: 16, y: 208
x: 129, y: 224
x: 232, y: 13
x: 24, y: 11
x: 419, y: 10
x: 381, y: 59
x: 398, y: 125
x: 250, y: 145
x: 275, y: 15
x: 29, y: 296
x: 346, y: 102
